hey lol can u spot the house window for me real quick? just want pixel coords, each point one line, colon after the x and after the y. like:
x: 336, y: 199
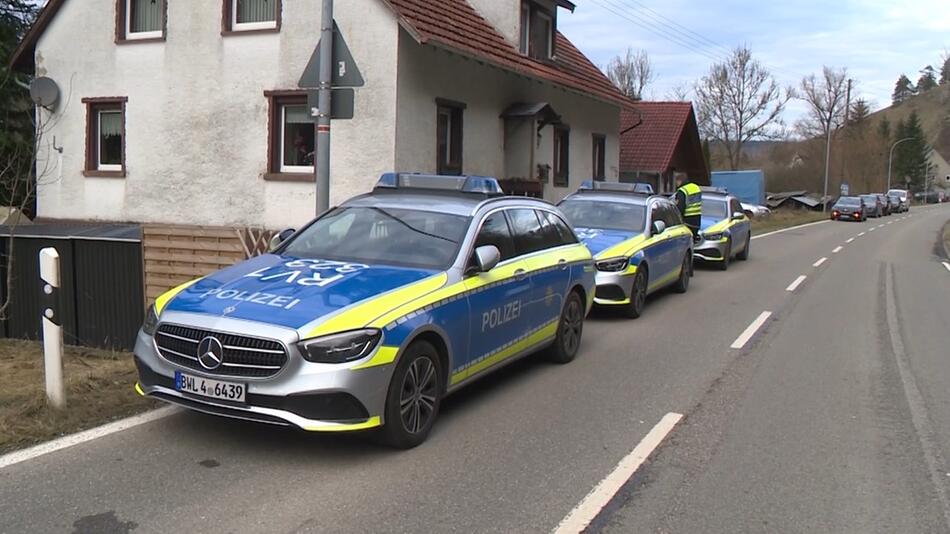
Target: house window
x: 247, y: 15
x: 291, y: 136
x: 537, y: 31
x: 599, y: 163
x: 140, y: 19
x: 105, y: 137
x: 562, y: 155
x: 449, y: 137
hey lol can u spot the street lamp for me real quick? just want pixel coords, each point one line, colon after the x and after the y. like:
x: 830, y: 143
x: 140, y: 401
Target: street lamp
x: 890, y: 159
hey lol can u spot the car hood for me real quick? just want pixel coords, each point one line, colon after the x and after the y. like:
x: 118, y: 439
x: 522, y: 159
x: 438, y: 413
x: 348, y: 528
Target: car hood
x: 705, y: 223
x: 288, y: 291
x: 599, y: 240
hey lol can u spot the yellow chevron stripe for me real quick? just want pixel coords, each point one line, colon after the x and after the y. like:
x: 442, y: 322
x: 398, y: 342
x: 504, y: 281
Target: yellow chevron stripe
x: 539, y: 336
x: 372, y: 422
x: 384, y: 356
x: 167, y: 296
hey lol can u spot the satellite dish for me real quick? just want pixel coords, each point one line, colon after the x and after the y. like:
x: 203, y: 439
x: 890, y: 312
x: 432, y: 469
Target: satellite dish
x: 44, y: 92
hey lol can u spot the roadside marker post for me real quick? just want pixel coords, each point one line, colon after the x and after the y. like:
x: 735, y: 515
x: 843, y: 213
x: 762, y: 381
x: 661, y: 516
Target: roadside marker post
x: 52, y: 327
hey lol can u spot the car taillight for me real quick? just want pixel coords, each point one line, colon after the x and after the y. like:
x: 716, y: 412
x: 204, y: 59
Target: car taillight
x: 834, y: 214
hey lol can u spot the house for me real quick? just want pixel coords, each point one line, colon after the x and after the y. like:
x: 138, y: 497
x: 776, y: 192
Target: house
x: 660, y: 141
x: 189, y: 112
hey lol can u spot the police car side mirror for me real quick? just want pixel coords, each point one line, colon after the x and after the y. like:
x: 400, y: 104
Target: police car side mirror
x: 487, y: 257
x: 279, y: 238
x: 658, y: 227
x: 737, y: 216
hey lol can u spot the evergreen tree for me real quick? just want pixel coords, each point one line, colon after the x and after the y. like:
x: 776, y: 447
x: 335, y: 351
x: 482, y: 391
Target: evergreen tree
x: 911, y: 158
x: 928, y: 79
x: 16, y: 124
x: 903, y: 90
x: 884, y: 129
x: 945, y: 70
x: 860, y: 110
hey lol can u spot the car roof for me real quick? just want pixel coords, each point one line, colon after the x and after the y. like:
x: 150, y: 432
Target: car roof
x: 451, y: 202
x: 716, y: 196
x: 636, y: 199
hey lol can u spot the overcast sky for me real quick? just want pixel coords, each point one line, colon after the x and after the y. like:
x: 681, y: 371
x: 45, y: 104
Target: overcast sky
x: 876, y: 40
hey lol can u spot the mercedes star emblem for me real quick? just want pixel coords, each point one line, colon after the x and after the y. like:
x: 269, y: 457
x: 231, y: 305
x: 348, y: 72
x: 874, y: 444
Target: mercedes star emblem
x: 210, y: 353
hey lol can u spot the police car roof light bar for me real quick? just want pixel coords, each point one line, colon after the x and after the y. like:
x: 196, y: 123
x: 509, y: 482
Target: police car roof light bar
x: 717, y: 190
x: 616, y: 187
x: 484, y: 185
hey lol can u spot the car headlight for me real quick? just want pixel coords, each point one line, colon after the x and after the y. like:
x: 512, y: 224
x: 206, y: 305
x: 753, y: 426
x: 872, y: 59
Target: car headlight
x: 340, y: 348
x: 612, y: 265
x: 151, y: 321
x: 713, y: 237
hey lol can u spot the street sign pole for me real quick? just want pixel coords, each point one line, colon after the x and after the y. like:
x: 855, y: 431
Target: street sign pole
x: 322, y: 156
x: 52, y: 327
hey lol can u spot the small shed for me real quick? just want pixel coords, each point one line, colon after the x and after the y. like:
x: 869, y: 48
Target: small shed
x: 658, y: 141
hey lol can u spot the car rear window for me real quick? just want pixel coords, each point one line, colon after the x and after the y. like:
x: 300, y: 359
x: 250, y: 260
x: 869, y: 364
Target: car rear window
x: 716, y: 209
x: 849, y: 201
x: 605, y: 215
x: 386, y: 236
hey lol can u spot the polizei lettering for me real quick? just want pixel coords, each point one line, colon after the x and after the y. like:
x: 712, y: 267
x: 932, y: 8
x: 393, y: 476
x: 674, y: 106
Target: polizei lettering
x: 256, y: 297
x: 501, y: 315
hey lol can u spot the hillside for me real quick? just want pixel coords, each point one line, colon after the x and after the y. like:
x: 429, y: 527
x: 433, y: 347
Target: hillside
x: 933, y: 108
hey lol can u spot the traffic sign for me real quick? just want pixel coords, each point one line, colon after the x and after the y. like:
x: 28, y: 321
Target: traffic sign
x: 845, y: 189
x: 345, y: 71
x: 341, y: 104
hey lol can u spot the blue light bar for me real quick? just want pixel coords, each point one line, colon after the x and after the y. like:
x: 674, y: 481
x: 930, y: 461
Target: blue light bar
x: 616, y: 187
x: 484, y: 185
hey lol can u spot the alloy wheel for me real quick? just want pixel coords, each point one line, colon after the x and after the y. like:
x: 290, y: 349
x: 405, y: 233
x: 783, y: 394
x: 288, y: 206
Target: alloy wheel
x: 417, y: 400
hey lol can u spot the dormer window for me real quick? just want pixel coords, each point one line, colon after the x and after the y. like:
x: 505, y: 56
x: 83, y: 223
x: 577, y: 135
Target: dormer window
x: 537, y: 31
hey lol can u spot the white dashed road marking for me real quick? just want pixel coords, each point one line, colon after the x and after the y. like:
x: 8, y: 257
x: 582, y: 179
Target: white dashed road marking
x: 751, y: 330
x: 837, y: 249
x: 585, y: 512
x: 861, y: 234
x: 850, y: 240
x: 819, y: 262
x: 880, y: 226
x: 947, y: 265
x: 794, y: 285
x: 871, y: 229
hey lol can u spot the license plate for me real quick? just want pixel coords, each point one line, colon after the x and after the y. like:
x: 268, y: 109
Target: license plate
x: 205, y: 387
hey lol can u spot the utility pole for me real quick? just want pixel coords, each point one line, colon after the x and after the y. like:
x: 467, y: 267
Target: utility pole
x: 322, y: 159
x: 847, y: 122
x: 824, y: 198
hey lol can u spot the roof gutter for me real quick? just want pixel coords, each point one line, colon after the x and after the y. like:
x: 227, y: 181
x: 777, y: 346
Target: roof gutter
x: 639, y: 121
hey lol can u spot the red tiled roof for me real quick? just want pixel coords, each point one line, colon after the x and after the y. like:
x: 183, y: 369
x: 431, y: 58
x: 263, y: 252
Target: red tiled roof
x: 456, y: 25
x: 650, y: 146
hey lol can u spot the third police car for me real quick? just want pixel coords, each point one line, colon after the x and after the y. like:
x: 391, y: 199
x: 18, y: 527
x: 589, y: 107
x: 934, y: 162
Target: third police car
x: 639, y: 242
x: 374, y: 311
x: 725, y: 230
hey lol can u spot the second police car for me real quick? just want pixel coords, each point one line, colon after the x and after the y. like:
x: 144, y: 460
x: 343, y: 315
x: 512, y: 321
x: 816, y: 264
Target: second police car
x: 639, y: 242
x: 725, y: 231
x: 374, y: 311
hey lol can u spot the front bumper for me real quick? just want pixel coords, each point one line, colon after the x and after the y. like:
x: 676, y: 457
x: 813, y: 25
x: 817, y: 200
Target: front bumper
x: 314, y: 397
x: 614, y: 288
x: 710, y: 250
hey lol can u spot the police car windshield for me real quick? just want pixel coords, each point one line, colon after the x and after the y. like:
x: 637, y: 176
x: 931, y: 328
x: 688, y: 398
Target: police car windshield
x: 715, y: 209
x: 387, y: 236
x: 605, y: 215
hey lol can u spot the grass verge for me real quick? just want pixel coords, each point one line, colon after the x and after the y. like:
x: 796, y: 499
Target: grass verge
x: 99, y: 389
x: 946, y: 240
x: 785, y: 218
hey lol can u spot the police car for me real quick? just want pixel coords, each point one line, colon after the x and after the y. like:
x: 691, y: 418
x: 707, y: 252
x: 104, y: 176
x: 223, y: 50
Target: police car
x: 374, y: 311
x: 639, y: 242
x: 725, y: 230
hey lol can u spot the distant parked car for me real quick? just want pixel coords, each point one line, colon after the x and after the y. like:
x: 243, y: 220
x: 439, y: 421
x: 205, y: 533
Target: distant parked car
x: 849, y: 209
x: 874, y: 206
x: 756, y: 211
x: 903, y: 196
x: 888, y: 204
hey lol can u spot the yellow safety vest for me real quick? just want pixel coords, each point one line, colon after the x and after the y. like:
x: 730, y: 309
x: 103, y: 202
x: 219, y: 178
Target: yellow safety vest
x: 694, y: 200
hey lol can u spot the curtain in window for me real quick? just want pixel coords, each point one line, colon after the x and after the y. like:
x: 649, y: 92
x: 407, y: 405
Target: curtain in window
x: 298, y: 136
x: 110, y: 123
x: 145, y: 15
x: 256, y: 11
x: 110, y: 138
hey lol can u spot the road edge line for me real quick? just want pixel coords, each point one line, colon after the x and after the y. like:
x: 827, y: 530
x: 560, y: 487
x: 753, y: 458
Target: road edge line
x: 790, y: 228
x: 85, y: 436
x: 750, y: 330
x: 595, y: 501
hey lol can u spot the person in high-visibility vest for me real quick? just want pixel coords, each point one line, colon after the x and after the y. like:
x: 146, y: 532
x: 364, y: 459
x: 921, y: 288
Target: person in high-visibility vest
x: 689, y: 200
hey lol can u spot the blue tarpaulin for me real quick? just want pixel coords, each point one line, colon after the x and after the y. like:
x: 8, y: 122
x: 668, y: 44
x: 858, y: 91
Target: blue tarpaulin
x: 747, y: 186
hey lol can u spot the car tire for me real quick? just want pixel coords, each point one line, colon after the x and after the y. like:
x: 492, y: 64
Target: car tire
x: 417, y: 384
x: 638, y: 294
x: 744, y: 255
x: 682, y: 283
x: 726, y: 257
x: 570, y: 327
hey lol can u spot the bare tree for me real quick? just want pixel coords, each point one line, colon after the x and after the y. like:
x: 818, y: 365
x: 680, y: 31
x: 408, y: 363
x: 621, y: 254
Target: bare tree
x: 738, y: 101
x: 631, y: 73
x: 679, y: 93
x: 827, y: 107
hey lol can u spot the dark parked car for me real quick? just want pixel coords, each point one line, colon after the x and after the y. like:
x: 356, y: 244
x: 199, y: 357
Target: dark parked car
x: 889, y: 207
x: 874, y: 206
x: 849, y: 209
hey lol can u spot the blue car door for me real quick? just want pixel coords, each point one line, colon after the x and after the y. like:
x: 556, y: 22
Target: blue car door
x: 655, y: 252
x: 547, y: 284
x: 498, y: 299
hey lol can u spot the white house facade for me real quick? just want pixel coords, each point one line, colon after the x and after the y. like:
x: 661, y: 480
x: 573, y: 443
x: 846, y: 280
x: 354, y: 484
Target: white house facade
x: 188, y: 111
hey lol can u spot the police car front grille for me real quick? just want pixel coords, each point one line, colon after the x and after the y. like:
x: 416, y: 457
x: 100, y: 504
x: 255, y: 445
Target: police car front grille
x: 244, y: 356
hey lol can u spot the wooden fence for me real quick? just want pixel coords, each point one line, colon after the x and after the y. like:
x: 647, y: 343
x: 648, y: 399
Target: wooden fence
x: 173, y: 255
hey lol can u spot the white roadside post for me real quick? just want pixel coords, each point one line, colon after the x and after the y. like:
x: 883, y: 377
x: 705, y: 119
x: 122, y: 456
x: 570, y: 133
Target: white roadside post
x: 52, y: 327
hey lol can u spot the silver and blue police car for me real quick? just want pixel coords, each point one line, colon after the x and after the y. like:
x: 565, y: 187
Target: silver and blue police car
x: 373, y: 312
x: 639, y: 243
x: 725, y: 229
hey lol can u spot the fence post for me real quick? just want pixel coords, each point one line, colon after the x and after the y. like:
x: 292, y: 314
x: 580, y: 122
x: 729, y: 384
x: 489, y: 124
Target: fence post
x: 52, y: 327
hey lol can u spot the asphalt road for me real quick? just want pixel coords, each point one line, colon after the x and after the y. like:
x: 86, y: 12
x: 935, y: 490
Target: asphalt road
x: 834, y: 417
